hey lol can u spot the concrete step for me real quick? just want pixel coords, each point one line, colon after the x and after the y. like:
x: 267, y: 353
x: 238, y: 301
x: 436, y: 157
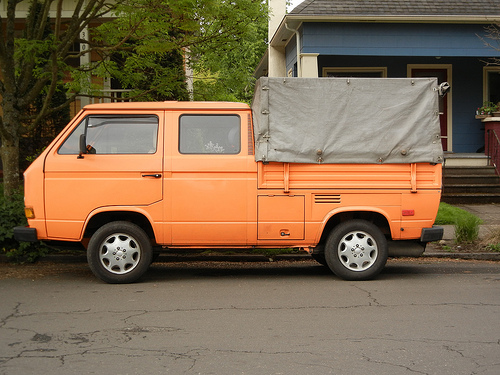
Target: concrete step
x: 465, y: 159
x: 468, y: 179
x: 470, y: 198
x: 472, y: 188
x: 471, y: 179
x: 468, y: 170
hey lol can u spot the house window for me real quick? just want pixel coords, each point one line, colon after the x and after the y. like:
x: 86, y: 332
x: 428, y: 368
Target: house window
x: 73, y: 58
x: 209, y: 134
x: 366, y: 72
x: 491, y: 84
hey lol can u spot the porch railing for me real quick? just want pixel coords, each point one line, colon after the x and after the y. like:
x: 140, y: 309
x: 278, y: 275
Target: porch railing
x: 112, y: 96
x: 106, y: 96
x: 493, y: 149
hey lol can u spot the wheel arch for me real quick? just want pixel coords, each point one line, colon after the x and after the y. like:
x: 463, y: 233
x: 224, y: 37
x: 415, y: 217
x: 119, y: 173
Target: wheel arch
x: 378, y: 218
x: 98, y: 219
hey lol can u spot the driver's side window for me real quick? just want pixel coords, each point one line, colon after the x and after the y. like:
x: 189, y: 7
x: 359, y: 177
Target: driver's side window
x: 110, y: 134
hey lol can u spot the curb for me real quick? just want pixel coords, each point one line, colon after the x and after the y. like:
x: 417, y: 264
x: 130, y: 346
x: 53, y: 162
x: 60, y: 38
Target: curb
x: 176, y: 257
x: 484, y: 230
x: 465, y: 256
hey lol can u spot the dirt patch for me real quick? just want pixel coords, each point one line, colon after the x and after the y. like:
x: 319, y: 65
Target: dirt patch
x: 44, y: 269
x: 39, y: 270
x: 482, y: 246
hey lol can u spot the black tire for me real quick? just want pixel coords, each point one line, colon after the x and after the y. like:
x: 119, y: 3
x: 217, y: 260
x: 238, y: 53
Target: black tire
x: 356, y: 250
x: 119, y: 252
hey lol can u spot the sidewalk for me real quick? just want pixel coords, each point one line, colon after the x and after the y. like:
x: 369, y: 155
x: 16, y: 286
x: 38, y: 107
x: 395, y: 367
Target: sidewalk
x: 488, y: 213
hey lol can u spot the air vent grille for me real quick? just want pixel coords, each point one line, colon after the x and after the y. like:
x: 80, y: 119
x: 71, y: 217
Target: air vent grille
x: 327, y: 198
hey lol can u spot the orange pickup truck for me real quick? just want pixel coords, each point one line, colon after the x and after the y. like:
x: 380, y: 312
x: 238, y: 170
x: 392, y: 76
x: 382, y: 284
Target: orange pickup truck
x: 302, y: 168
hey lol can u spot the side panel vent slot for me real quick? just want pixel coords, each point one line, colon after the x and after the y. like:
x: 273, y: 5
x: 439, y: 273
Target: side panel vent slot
x: 327, y: 198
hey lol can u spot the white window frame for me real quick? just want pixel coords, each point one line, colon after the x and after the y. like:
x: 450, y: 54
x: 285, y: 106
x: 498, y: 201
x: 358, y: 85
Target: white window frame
x: 364, y: 69
x: 486, y: 88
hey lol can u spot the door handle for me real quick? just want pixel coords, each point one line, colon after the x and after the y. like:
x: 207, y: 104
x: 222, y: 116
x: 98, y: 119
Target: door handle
x: 155, y: 175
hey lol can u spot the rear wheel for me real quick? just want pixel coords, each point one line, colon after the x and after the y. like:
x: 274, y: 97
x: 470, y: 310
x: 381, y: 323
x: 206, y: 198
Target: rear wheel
x: 356, y: 250
x: 119, y: 252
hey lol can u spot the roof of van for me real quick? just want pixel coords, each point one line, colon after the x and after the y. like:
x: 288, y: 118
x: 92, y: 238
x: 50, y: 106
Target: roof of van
x: 168, y: 105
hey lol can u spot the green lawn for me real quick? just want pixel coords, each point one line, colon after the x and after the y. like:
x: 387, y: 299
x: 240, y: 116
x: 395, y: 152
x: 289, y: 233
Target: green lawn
x: 449, y: 215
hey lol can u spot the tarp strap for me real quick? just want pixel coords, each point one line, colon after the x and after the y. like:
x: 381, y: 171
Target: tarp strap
x: 413, y: 177
x: 286, y: 177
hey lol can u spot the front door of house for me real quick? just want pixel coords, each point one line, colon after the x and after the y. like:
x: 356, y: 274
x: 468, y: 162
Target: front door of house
x: 442, y: 74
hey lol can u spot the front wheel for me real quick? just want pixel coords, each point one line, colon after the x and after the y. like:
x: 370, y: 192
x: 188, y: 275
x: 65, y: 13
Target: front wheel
x: 119, y: 252
x: 356, y: 250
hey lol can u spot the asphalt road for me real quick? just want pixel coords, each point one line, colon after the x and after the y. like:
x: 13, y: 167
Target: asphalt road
x: 419, y: 317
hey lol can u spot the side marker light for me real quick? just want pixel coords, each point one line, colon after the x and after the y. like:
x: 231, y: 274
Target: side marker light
x: 29, y: 212
x: 408, y: 212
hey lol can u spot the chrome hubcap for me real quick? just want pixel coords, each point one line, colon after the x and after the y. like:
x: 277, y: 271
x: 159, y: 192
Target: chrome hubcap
x: 119, y: 253
x: 357, y: 251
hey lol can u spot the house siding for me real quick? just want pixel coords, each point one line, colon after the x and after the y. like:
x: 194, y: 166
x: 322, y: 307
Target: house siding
x: 291, y: 53
x: 468, y: 132
x: 395, y: 39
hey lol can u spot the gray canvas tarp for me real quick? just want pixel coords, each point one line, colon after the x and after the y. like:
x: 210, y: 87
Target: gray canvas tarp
x: 347, y: 120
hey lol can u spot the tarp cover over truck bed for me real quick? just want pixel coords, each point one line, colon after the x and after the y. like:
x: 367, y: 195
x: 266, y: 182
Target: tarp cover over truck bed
x: 347, y: 120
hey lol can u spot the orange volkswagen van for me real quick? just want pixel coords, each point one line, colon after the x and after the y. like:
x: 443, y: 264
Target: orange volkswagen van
x: 128, y: 179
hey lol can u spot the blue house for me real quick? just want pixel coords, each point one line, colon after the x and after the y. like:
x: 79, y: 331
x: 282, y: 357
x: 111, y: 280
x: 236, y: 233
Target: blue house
x: 447, y: 39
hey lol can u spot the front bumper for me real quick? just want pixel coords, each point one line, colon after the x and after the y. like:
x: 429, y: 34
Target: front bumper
x: 25, y: 234
x: 432, y: 234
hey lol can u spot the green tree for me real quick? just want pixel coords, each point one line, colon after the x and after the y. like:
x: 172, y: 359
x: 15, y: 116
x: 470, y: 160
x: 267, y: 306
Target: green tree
x: 39, y: 137
x: 150, y: 38
x: 151, y: 77
x: 226, y: 72
x: 32, y: 68
x: 222, y: 40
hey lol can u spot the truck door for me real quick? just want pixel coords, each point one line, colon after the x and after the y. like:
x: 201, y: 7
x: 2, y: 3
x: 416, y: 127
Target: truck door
x: 122, y: 169
x: 210, y: 179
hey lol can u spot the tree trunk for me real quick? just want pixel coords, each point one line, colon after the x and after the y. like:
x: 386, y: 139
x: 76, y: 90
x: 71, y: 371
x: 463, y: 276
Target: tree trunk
x: 9, y: 150
x: 10, y: 161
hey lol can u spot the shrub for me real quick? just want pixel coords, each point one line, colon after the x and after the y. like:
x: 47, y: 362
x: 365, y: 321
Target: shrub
x: 11, y: 215
x: 467, y: 228
x: 466, y: 224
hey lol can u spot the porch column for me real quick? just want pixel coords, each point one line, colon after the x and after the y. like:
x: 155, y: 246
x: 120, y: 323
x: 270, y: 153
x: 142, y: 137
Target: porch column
x: 277, y: 62
x: 277, y: 59
x: 309, y: 65
x: 85, y: 61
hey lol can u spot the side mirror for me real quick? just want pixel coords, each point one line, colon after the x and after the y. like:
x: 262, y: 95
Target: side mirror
x: 82, y: 146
